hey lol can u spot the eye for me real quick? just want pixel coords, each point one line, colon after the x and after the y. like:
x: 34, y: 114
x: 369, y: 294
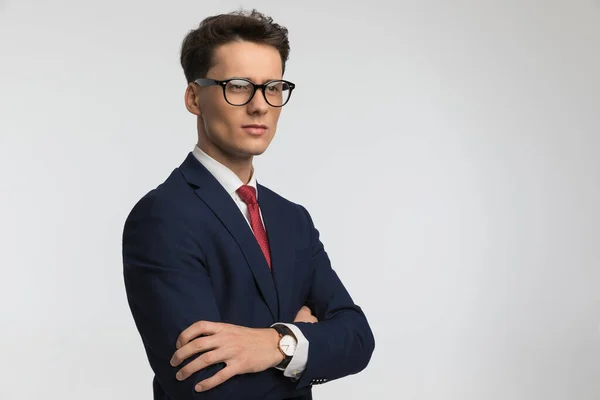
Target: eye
x: 275, y: 87
x: 238, y: 86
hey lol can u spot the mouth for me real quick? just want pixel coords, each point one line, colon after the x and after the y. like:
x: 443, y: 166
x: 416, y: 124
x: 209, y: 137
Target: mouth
x: 255, y: 129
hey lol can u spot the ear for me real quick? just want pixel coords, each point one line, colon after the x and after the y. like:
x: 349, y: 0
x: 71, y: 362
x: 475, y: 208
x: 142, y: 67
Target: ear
x: 191, y: 100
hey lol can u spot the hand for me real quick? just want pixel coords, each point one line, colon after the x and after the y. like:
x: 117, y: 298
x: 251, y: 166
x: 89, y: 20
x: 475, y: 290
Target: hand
x: 305, y: 315
x: 244, y: 350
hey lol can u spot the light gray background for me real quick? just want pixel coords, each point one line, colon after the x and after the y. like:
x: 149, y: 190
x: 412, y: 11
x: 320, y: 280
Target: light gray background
x: 448, y: 152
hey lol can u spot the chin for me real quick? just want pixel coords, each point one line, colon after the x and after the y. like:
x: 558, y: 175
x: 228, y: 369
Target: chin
x: 255, y: 149
x: 256, y: 152
x: 247, y: 151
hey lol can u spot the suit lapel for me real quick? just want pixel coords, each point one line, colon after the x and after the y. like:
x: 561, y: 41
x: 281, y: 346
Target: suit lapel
x: 223, y: 206
x: 282, y: 250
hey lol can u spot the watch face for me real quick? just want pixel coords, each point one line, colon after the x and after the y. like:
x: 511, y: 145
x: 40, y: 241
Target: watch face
x: 288, y: 345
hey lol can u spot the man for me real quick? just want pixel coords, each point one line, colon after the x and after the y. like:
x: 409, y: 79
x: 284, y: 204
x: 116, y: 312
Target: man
x: 229, y: 284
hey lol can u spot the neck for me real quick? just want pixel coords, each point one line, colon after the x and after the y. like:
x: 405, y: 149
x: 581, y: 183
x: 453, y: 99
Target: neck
x: 241, y: 166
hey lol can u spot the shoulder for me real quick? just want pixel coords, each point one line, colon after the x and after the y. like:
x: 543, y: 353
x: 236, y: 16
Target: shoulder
x: 287, y: 208
x: 283, y: 203
x: 164, y: 204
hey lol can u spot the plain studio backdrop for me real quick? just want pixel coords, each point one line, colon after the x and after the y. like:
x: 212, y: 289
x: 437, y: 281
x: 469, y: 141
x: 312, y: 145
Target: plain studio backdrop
x: 448, y: 152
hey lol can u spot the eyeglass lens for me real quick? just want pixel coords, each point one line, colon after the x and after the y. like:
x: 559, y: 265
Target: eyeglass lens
x: 238, y: 92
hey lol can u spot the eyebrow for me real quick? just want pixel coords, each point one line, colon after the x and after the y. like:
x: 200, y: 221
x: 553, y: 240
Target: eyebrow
x: 252, y: 80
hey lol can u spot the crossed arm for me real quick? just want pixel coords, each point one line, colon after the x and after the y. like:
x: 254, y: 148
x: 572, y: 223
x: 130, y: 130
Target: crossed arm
x: 175, y: 311
x: 243, y: 350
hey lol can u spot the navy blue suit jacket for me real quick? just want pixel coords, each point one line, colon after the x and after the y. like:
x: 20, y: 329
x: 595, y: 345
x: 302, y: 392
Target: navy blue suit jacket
x: 189, y: 255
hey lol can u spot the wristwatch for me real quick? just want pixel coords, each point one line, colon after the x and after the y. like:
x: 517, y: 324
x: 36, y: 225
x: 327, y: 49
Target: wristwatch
x: 287, y: 345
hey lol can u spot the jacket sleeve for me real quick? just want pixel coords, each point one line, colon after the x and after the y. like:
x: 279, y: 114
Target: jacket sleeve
x: 342, y: 342
x: 168, y: 289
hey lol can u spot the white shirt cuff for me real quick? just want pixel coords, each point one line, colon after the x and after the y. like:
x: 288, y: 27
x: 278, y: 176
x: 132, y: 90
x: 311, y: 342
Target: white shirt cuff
x: 298, y: 362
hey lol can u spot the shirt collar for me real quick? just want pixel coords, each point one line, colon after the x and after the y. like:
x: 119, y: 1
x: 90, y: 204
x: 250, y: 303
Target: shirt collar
x: 226, y: 177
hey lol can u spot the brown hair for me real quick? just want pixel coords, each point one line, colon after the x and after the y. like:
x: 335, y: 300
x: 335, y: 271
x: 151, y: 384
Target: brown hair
x: 197, y: 49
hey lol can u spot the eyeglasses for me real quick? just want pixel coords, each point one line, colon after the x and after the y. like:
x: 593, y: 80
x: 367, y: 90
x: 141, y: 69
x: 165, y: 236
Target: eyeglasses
x: 240, y: 91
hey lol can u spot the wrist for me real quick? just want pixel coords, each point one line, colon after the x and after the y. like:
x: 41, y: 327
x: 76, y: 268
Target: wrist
x: 273, y: 339
x: 287, y: 345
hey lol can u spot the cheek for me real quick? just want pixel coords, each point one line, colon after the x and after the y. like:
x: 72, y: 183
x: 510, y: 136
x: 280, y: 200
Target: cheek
x: 221, y: 121
x: 275, y: 117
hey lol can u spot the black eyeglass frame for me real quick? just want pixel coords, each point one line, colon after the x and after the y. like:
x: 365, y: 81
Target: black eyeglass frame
x: 213, y: 82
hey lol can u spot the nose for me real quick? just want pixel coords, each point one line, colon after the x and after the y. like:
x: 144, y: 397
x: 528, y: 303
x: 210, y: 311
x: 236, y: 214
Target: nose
x: 258, y: 103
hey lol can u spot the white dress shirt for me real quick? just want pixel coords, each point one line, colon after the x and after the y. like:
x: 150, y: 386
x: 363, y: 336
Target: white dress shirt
x: 231, y: 182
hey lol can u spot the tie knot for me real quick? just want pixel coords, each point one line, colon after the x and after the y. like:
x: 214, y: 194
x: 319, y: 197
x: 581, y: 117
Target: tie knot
x: 247, y: 194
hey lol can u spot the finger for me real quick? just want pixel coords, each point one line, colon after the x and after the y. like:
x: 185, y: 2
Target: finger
x: 205, y: 360
x: 198, y: 345
x: 300, y: 318
x: 195, y: 330
x: 305, y: 316
x: 304, y: 310
x: 218, y: 378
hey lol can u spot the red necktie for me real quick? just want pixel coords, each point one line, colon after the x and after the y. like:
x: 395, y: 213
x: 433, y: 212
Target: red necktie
x: 248, y: 196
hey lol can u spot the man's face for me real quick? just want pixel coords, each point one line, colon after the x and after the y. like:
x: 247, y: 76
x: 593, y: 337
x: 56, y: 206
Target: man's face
x: 222, y: 128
